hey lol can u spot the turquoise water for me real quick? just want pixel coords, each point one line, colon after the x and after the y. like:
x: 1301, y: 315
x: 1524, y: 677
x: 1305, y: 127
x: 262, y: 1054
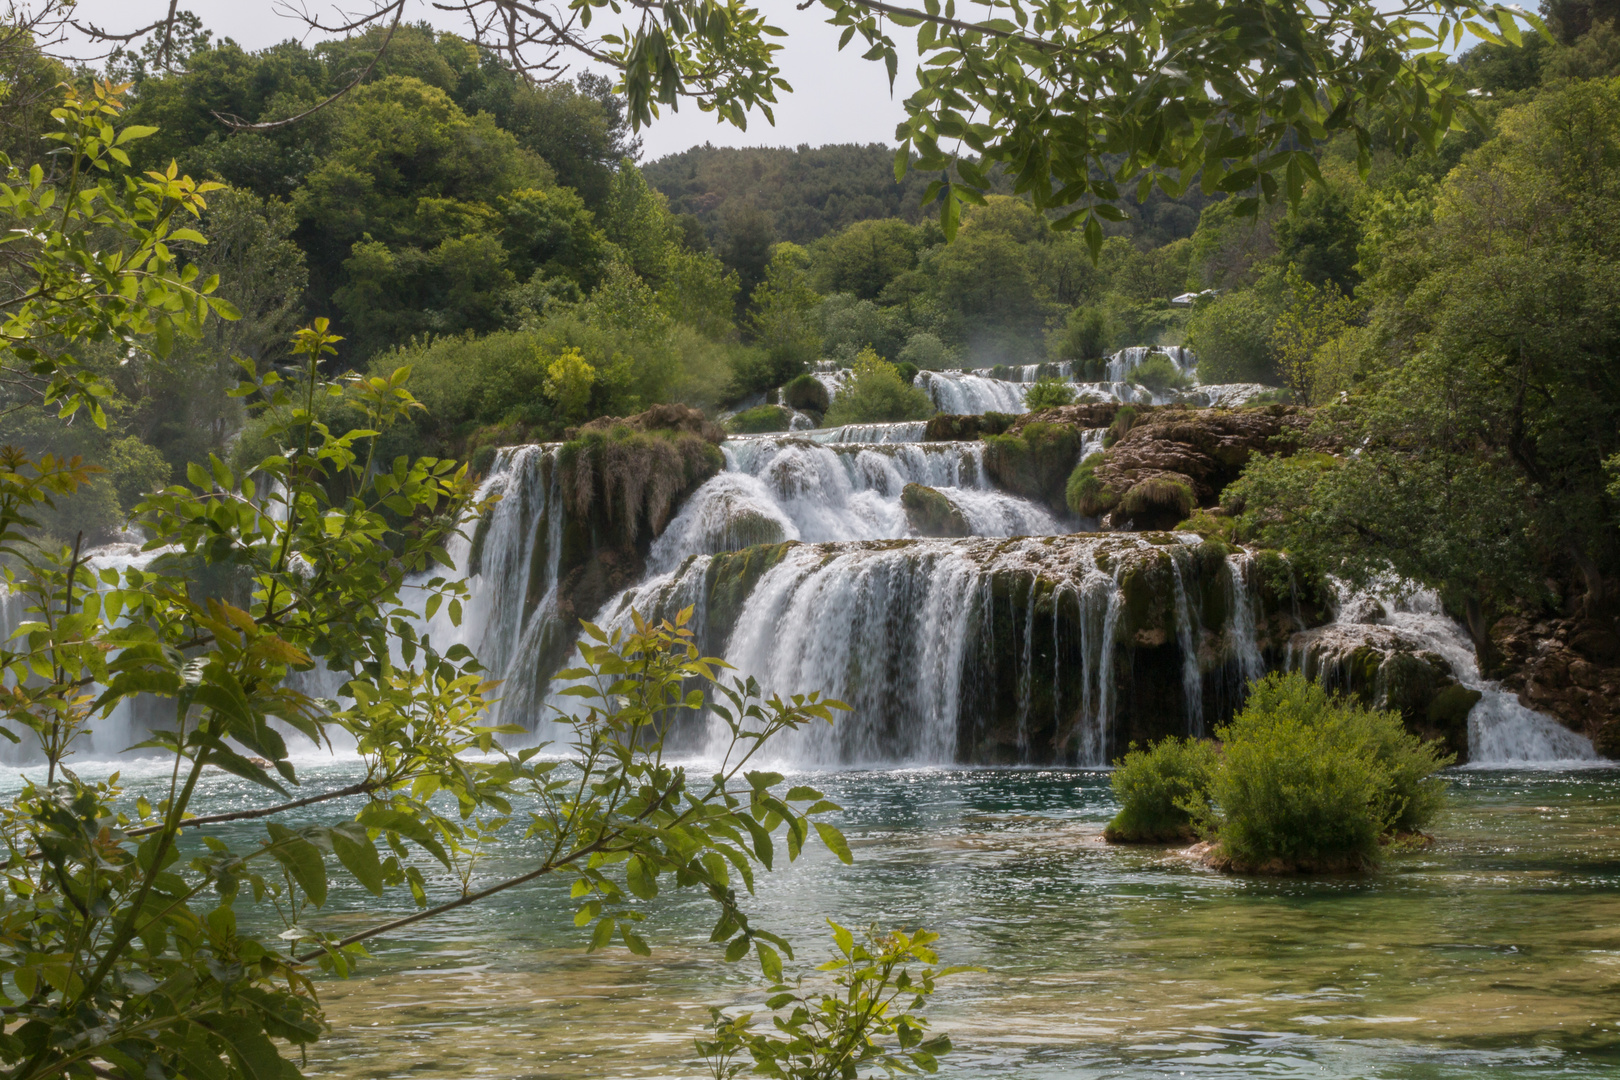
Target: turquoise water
x: 1494, y: 952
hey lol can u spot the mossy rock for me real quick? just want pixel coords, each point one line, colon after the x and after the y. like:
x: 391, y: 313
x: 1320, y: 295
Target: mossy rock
x: 1449, y: 708
x: 761, y: 420
x: 1148, y: 598
x: 1085, y: 494
x: 1035, y: 462
x: 930, y: 513
x: 730, y: 580
x: 807, y: 394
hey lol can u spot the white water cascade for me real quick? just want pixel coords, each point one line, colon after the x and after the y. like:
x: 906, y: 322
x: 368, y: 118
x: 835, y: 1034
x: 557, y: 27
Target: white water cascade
x: 1501, y: 731
x: 777, y: 488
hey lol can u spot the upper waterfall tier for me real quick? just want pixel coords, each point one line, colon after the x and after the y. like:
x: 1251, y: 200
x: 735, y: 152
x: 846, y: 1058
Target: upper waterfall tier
x: 785, y: 488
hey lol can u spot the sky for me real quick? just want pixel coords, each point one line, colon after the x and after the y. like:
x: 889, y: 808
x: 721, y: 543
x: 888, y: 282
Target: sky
x: 837, y: 98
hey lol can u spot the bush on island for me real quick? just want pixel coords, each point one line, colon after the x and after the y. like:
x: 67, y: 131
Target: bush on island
x: 807, y: 394
x: 875, y: 394
x: 1158, y: 372
x: 1158, y: 788
x: 760, y: 419
x: 1312, y: 782
x: 1047, y: 393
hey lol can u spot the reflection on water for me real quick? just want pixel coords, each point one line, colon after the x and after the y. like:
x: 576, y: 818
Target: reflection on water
x: 1495, y: 952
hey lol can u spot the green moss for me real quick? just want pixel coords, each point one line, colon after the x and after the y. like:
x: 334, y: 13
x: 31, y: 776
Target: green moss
x: 930, y: 513
x: 1158, y: 497
x: 1449, y: 708
x: 1084, y: 493
x: 764, y: 418
x: 1123, y: 419
x: 731, y: 578
x: 1035, y: 462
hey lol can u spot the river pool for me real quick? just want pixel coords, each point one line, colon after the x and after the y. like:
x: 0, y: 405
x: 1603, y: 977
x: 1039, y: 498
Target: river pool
x: 1494, y: 952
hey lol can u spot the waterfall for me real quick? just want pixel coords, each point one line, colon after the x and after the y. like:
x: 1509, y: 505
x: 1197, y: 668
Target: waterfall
x: 903, y: 431
x: 512, y: 565
x: 776, y: 489
x: 1189, y: 627
x: 963, y: 393
x: 1501, y: 731
x: 1121, y: 363
x: 1242, y: 639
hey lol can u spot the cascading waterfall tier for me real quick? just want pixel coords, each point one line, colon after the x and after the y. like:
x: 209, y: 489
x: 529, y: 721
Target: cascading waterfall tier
x: 1396, y: 647
x: 1019, y: 651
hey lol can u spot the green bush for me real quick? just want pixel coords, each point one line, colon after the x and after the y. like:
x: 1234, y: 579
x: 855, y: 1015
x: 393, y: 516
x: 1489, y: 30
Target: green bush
x: 928, y: 352
x: 1084, y: 336
x: 1158, y: 372
x: 1231, y: 335
x: 1157, y: 786
x: 1084, y: 493
x: 1311, y: 781
x: 1048, y: 393
x: 760, y: 419
x: 876, y: 394
x: 806, y: 393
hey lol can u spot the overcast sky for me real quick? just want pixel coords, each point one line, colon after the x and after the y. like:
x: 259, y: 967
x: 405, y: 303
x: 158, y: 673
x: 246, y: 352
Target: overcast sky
x: 837, y: 98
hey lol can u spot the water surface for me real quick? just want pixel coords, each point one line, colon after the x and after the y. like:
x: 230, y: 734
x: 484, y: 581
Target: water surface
x: 1495, y: 952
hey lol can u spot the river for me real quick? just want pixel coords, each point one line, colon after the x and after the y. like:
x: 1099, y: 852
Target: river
x: 1496, y: 952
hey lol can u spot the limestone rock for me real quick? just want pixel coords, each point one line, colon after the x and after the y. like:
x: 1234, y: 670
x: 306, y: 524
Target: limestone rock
x: 931, y: 513
x: 1387, y: 669
x: 1569, y: 668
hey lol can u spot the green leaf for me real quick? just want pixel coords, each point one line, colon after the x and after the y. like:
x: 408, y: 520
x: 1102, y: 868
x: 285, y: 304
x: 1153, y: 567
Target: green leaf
x: 302, y: 859
x: 358, y: 855
x: 835, y: 842
x: 642, y: 880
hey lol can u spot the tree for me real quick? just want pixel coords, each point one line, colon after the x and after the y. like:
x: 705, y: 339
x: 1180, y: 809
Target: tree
x: 1306, y: 332
x: 865, y: 257
x: 1074, y: 105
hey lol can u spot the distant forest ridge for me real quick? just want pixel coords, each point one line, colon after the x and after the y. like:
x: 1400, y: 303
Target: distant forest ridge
x: 803, y: 193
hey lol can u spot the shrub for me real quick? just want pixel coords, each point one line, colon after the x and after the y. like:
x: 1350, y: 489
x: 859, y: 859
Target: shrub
x: 1311, y: 781
x: 760, y: 419
x: 1158, y: 372
x: 1084, y: 336
x: 1048, y: 393
x: 907, y: 371
x: 1084, y: 493
x: 1123, y: 419
x: 806, y: 393
x: 875, y: 394
x: 1156, y: 788
x: 1231, y: 336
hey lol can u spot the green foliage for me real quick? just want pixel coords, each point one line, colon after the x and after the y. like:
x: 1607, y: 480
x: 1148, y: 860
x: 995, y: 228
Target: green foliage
x: 1158, y: 372
x: 1231, y: 336
x: 784, y: 322
x: 759, y: 419
x: 1157, y: 786
x: 1084, y: 338
x: 1034, y: 462
x: 806, y: 393
x: 1084, y: 493
x: 869, y: 1021
x: 863, y: 258
x: 1307, y: 336
x: 926, y: 352
x: 875, y: 393
x: 849, y: 325
x: 1047, y: 392
x: 1309, y: 781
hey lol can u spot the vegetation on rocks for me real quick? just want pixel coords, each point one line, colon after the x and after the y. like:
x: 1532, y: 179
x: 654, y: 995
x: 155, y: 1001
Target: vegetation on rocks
x: 1313, y: 783
x: 875, y: 393
x: 759, y: 419
x: 1159, y: 788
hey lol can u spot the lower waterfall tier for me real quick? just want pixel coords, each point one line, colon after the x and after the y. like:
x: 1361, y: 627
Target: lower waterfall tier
x: 1046, y: 650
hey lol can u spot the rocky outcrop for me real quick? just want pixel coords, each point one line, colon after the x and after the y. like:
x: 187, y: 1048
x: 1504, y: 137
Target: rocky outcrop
x: 931, y: 513
x: 1034, y: 460
x: 622, y: 480
x: 1569, y: 668
x: 1173, y: 459
x: 1387, y: 669
x: 950, y: 427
